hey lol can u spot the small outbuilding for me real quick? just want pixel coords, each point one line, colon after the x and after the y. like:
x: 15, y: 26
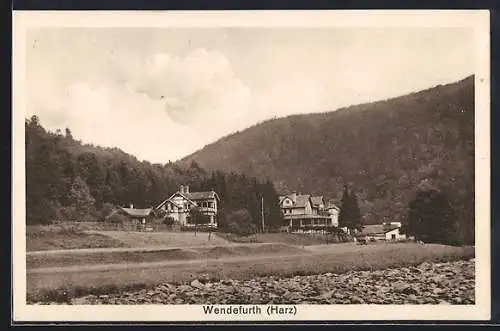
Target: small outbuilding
x: 378, y: 232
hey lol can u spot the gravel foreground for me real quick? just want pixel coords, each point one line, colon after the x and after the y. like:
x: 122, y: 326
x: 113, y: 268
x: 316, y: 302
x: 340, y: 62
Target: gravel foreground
x: 427, y: 283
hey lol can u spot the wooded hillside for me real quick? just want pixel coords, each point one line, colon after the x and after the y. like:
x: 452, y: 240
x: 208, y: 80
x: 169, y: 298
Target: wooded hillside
x: 383, y: 150
x: 68, y: 180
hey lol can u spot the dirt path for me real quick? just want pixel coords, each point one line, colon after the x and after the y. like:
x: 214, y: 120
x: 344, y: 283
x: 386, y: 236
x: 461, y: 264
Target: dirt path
x: 136, y: 249
x: 160, y: 264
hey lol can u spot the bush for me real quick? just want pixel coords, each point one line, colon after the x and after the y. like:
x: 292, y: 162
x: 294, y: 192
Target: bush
x: 431, y: 217
x: 117, y: 218
x: 169, y: 220
x: 241, y: 222
x: 197, y: 217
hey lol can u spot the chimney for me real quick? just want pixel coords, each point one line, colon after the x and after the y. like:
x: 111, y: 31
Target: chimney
x: 131, y: 205
x: 181, y: 189
x: 186, y: 189
x: 294, y: 196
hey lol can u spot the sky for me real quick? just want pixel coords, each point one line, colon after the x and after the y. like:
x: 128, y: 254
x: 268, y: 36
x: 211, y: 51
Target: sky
x: 163, y: 93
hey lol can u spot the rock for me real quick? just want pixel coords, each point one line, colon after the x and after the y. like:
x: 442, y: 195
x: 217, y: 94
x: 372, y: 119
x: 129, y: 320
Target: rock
x: 229, y: 290
x: 412, y: 298
x: 166, y: 287
x: 196, y: 283
x: 399, y: 286
x: 327, y: 295
x: 443, y: 283
x: 183, y: 288
x: 357, y: 300
x: 410, y: 290
x: 79, y: 301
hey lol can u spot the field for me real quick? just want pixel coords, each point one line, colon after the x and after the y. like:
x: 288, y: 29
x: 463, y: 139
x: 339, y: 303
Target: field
x: 285, y: 238
x: 53, y: 237
x: 153, y: 239
x: 62, y: 283
x: 108, y: 257
x: 77, y: 236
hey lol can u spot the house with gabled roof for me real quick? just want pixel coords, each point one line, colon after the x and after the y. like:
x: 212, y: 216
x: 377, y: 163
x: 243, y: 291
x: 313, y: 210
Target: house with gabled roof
x: 386, y: 231
x: 306, y: 212
x: 179, y: 205
x: 130, y: 217
x: 137, y: 213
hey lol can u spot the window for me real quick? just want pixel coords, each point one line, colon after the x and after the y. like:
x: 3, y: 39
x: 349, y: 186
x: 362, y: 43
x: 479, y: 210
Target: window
x: 393, y: 236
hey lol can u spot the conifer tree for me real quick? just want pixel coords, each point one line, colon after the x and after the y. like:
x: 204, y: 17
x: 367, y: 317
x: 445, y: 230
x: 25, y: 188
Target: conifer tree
x: 80, y: 198
x: 430, y: 216
x: 344, y: 209
x: 354, y: 212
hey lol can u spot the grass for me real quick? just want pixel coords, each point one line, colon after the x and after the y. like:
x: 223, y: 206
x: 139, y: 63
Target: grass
x: 173, y: 239
x: 62, y: 285
x: 285, y: 238
x: 66, y: 259
x: 67, y: 236
x: 77, y: 236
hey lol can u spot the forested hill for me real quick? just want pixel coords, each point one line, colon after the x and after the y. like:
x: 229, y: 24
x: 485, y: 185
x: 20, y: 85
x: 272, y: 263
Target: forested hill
x: 383, y: 149
x: 67, y: 180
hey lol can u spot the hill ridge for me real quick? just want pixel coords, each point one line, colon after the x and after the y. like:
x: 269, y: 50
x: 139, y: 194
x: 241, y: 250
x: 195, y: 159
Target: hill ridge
x: 383, y: 149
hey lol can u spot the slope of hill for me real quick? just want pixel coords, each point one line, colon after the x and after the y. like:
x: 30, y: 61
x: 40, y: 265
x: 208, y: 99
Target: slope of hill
x: 67, y: 180
x: 383, y: 149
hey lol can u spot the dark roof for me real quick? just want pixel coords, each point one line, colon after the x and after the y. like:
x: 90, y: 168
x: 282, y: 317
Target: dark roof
x: 317, y: 200
x: 191, y: 196
x: 302, y: 200
x: 134, y: 212
x: 200, y: 195
x: 377, y: 229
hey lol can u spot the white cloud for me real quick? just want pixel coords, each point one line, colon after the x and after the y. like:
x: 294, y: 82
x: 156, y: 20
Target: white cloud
x: 198, y: 88
x: 161, y: 107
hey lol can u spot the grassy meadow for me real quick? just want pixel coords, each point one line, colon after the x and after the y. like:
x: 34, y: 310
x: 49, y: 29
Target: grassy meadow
x: 74, y: 236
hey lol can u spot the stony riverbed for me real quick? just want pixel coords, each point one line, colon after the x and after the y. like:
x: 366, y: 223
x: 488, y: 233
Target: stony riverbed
x: 427, y: 283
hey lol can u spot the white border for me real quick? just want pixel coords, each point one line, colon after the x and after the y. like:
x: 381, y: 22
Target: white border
x: 476, y: 19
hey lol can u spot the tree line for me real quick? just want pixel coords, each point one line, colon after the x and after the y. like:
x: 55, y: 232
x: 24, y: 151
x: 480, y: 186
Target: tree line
x: 67, y: 180
x: 430, y: 217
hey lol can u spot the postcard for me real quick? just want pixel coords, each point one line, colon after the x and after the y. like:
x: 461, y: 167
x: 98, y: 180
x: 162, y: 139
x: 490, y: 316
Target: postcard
x: 251, y: 165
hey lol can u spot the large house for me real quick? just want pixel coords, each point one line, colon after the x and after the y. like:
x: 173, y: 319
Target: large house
x: 303, y: 211
x: 179, y: 205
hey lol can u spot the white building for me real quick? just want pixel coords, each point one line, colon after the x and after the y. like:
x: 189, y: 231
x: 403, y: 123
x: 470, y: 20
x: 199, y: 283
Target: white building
x: 306, y: 212
x: 179, y: 205
x: 382, y: 232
